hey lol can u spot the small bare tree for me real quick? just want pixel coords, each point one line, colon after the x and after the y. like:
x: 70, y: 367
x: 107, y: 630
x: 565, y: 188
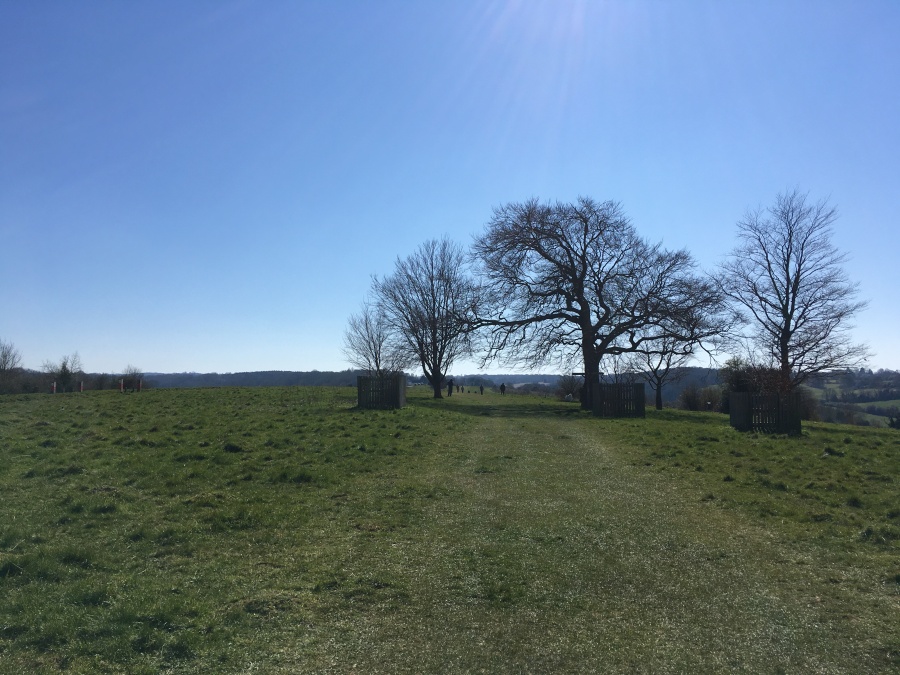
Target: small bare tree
x: 10, y: 357
x: 371, y: 343
x: 785, y: 278
x: 425, y: 302
x: 664, y: 364
x: 618, y: 369
x: 10, y: 362
x: 132, y: 377
x: 65, y: 371
x: 707, y: 327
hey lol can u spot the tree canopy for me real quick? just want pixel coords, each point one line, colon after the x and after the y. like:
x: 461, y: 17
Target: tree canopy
x: 569, y: 279
x: 785, y: 279
x: 425, y: 302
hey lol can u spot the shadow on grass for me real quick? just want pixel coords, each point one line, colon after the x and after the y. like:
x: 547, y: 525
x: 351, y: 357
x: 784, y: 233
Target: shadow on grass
x: 514, y: 407
x: 522, y: 407
x: 508, y: 407
x: 681, y: 416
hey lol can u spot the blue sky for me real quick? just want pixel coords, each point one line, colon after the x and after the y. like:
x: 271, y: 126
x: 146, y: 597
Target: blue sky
x: 208, y: 186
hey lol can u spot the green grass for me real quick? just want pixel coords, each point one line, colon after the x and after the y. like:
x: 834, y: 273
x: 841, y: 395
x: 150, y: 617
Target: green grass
x: 282, y: 530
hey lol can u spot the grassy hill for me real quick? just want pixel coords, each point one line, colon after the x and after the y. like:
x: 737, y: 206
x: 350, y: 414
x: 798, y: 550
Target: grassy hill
x: 282, y: 530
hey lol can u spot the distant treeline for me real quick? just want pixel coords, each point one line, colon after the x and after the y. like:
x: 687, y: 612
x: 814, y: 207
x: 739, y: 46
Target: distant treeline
x: 26, y: 381
x: 267, y: 378
x: 848, y: 387
x: 316, y: 378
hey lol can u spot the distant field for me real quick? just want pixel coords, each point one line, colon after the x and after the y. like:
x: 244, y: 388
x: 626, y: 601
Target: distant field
x: 282, y: 530
x: 860, y: 417
x: 883, y: 405
x: 835, y: 392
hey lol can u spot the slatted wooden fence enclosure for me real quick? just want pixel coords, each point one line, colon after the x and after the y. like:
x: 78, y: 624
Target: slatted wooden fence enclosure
x: 769, y: 413
x: 620, y: 400
x: 381, y: 393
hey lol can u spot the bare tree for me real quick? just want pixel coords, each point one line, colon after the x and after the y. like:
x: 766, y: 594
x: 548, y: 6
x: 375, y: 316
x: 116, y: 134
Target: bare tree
x: 706, y: 327
x: 10, y: 362
x: 618, y: 369
x: 563, y: 278
x: 785, y: 278
x: 425, y: 300
x: 132, y: 377
x: 10, y: 357
x: 65, y: 371
x: 664, y: 364
x: 371, y: 343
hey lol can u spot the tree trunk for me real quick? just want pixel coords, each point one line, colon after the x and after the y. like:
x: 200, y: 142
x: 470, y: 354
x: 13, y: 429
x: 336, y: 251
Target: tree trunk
x: 785, y: 365
x: 434, y: 379
x: 659, y: 395
x: 591, y: 376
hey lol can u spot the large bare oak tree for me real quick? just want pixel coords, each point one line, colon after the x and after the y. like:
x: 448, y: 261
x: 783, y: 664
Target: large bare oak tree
x: 563, y: 278
x: 425, y: 301
x: 786, y: 279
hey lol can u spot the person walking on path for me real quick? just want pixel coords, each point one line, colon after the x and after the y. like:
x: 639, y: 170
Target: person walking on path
x: 503, y: 389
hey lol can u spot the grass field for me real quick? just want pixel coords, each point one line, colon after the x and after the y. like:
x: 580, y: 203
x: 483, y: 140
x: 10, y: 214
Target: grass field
x: 282, y: 530
x: 886, y: 406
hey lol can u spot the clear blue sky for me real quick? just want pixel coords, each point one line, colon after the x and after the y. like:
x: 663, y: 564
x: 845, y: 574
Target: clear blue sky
x: 208, y: 186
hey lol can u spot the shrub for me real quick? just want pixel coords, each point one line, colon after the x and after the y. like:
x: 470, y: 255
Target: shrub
x: 690, y: 398
x: 568, y: 385
x: 711, y: 397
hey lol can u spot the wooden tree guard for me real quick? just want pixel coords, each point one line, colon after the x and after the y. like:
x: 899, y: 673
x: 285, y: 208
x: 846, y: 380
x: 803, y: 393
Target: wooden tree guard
x: 381, y: 393
x: 619, y: 400
x: 769, y: 413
